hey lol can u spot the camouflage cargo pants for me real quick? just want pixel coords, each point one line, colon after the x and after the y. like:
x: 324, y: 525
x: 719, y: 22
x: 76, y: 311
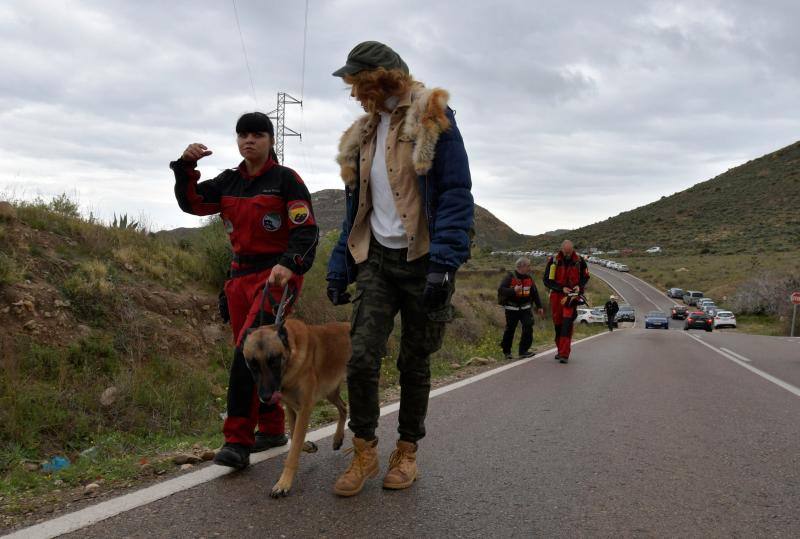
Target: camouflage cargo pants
x: 387, y: 284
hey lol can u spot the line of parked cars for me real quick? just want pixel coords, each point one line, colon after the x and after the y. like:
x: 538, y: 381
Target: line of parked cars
x: 597, y: 315
x: 705, y: 315
x: 608, y: 263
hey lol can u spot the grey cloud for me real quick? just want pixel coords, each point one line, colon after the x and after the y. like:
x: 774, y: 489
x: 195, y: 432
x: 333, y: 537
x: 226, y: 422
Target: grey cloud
x: 605, y: 104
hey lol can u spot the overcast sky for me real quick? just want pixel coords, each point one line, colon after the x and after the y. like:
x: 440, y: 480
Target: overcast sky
x: 571, y: 111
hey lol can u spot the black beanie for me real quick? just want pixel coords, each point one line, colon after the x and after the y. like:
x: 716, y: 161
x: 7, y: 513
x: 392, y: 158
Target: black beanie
x: 255, y: 122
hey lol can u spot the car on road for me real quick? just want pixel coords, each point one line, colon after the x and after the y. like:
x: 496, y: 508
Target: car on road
x: 626, y: 313
x: 679, y: 312
x: 656, y: 319
x: 622, y: 267
x: 591, y: 316
x: 690, y: 297
x: 725, y: 319
x: 676, y: 293
x: 709, y: 308
x: 699, y: 320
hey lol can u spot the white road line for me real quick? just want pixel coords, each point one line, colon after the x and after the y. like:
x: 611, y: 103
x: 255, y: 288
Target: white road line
x: 614, y: 288
x: 104, y: 510
x: 777, y: 381
x: 734, y: 354
x: 646, y: 284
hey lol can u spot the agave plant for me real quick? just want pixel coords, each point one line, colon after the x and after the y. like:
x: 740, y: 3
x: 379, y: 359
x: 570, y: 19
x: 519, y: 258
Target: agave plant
x: 123, y: 223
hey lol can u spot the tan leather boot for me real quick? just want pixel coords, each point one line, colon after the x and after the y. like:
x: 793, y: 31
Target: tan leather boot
x: 363, y: 466
x: 402, y: 466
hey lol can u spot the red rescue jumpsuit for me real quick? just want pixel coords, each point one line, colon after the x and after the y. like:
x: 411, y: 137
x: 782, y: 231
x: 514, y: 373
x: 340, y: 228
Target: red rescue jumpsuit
x: 269, y: 219
x: 561, y: 272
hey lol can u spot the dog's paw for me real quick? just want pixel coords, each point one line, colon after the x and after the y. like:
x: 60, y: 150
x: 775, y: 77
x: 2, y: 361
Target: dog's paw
x: 337, y: 443
x: 280, y: 491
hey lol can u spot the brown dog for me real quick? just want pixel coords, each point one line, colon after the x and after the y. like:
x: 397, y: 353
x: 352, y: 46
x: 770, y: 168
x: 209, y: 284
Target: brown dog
x: 301, y: 364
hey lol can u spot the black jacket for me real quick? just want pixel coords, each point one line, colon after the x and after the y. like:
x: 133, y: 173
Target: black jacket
x: 266, y: 214
x: 612, y: 308
x: 511, y: 298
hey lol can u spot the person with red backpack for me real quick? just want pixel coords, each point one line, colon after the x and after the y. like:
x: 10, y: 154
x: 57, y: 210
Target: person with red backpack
x: 266, y: 210
x: 565, y: 275
x: 517, y: 294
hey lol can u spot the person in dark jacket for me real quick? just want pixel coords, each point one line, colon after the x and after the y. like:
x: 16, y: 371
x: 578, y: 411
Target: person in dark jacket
x: 612, y: 308
x: 565, y: 275
x: 518, y: 294
x: 406, y: 231
x: 266, y: 210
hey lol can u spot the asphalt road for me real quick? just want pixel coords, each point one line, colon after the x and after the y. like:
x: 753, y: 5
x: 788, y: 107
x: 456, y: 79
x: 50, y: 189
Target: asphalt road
x: 643, y: 433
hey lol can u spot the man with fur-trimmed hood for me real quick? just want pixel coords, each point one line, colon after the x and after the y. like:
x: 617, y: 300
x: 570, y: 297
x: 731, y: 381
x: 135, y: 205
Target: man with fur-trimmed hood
x: 406, y: 232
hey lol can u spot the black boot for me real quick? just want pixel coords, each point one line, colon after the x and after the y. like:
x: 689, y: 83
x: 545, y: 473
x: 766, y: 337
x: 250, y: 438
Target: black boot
x: 234, y: 456
x: 264, y: 441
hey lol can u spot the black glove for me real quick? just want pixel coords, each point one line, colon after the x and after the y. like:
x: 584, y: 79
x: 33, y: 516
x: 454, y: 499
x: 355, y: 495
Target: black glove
x: 438, y: 288
x: 337, y: 292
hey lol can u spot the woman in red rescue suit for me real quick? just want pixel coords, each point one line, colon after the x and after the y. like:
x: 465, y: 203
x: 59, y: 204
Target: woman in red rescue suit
x: 565, y: 275
x: 267, y: 213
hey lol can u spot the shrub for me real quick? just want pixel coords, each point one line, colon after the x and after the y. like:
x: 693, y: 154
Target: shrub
x: 767, y: 293
x: 215, y: 249
x: 10, y: 272
x: 91, y: 290
x: 63, y: 205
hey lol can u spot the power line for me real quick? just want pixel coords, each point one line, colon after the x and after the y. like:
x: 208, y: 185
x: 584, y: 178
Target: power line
x: 244, y: 51
x: 303, y: 71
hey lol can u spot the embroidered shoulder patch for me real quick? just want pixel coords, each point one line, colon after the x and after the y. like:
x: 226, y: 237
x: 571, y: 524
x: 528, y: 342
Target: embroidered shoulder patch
x: 271, y: 222
x: 298, y: 212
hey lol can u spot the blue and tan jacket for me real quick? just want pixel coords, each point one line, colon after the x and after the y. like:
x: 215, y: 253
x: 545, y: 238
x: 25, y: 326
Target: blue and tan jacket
x: 429, y: 173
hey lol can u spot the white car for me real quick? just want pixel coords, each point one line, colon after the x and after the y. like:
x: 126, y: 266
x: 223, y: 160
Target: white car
x: 652, y: 250
x: 591, y: 316
x: 724, y: 319
x: 622, y: 267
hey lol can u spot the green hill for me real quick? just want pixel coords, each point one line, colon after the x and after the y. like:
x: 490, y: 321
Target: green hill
x: 752, y: 208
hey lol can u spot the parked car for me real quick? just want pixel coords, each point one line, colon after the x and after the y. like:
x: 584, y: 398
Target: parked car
x: 690, y: 297
x: 626, y: 313
x: 653, y: 250
x: 676, y: 293
x: 702, y: 301
x: 699, y: 320
x: 591, y: 316
x: 622, y: 267
x: 725, y: 319
x: 679, y: 312
x: 656, y: 319
x: 709, y: 308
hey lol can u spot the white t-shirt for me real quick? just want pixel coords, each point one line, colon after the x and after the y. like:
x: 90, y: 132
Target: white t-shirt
x: 384, y: 220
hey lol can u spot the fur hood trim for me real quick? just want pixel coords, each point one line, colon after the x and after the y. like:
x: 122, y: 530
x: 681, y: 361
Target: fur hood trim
x: 425, y: 121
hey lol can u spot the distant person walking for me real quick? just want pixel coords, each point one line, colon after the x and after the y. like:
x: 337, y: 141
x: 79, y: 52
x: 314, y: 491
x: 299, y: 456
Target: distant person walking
x: 612, y: 308
x: 517, y: 294
x: 565, y: 275
x: 266, y: 211
x: 405, y: 233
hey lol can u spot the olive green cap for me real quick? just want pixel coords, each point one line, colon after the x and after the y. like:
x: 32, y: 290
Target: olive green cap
x: 371, y: 55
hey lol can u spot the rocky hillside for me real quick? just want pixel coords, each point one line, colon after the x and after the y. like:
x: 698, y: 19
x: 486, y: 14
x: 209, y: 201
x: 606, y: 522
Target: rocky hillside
x: 751, y: 208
